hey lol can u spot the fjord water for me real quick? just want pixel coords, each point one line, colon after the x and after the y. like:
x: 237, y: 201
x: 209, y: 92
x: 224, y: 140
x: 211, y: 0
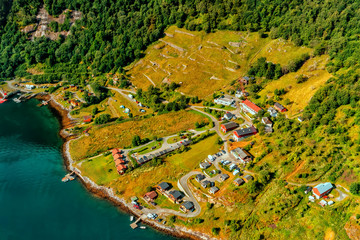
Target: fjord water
x: 34, y: 203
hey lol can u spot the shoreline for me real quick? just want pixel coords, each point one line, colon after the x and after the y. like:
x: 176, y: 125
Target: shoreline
x: 66, y: 121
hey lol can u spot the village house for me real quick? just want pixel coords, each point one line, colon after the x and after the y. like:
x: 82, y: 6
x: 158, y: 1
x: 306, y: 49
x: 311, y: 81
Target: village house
x: 213, y: 190
x: 250, y: 107
x: 267, y: 122
x: 323, y: 203
x: 224, y: 101
x: 300, y: 119
x: 207, y: 183
x: 74, y: 103
x: 240, y: 134
x: 150, y: 196
x: 187, y: 207
x: 239, y: 182
x: 280, y: 107
x: 119, y: 161
x: 87, y: 119
x: 248, y: 178
x: 121, y: 168
x: 272, y: 112
x: 175, y: 196
x: 228, y: 126
x: 205, y: 165
x: 118, y: 155
x: 229, y: 116
x: 162, y: 187
x: 223, y: 177
x: 242, y: 155
x: 115, y: 151
x: 245, y: 80
x: 322, y: 189
x: 240, y: 94
x: 199, y: 177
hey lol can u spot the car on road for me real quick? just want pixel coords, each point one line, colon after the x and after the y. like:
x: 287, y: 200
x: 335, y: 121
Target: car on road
x: 152, y: 215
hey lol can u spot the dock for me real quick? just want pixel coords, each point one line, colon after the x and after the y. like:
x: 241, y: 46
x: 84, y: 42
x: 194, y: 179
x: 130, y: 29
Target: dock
x: 135, y: 224
x: 69, y: 177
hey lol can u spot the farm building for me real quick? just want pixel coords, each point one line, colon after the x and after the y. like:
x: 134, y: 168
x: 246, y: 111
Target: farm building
x: 228, y: 126
x: 224, y: 101
x: 245, y: 132
x: 280, y: 107
x: 250, y: 107
x: 322, y: 189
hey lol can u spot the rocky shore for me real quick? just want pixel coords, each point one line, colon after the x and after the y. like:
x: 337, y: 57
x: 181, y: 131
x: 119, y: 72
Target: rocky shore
x: 67, y: 121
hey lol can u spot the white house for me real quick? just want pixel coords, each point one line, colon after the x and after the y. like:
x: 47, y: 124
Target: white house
x: 29, y: 87
x: 224, y: 101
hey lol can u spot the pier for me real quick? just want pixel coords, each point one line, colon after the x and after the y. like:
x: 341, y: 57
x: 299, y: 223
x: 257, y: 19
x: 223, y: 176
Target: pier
x: 135, y: 224
x: 69, y: 177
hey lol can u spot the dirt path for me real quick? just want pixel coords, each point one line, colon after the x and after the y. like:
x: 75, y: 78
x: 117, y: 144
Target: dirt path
x: 296, y: 170
x: 150, y: 80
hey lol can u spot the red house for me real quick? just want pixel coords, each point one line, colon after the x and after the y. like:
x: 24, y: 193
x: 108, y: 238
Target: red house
x: 250, y: 107
x: 280, y: 107
x: 87, y: 119
x: 121, y: 168
x: 115, y: 151
x: 228, y: 126
x: 241, y: 133
x: 119, y: 161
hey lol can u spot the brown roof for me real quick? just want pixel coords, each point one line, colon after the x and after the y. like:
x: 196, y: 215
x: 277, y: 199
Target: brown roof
x: 151, y: 195
x: 119, y: 161
x: 121, y: 167
x: 115, y: 151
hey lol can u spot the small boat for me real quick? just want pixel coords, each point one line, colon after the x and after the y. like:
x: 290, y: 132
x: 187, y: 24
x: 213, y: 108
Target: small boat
x: 17, y: 100
x: 142, y: 227
x: 3, y: 100
x: 64, y: 179
x: 131, y: 218
x: 68, y: 177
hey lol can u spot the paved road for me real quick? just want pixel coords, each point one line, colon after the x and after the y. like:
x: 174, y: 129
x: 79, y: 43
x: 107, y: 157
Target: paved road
x: 341, y: 196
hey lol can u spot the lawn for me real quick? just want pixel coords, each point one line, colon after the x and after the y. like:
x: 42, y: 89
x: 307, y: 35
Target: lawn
x: 105, y: 137
x: 148, y: 148
x: 175, y: 166
x: 100, y: 169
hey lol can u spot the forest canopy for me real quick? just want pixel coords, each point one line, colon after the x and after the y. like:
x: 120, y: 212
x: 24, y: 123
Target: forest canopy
x: 112, y: 34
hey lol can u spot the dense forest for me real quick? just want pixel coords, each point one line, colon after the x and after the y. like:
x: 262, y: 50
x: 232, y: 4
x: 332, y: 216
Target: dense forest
x: 112, y: 34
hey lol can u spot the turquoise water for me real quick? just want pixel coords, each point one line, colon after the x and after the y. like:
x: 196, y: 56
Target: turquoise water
x: 34, y: 203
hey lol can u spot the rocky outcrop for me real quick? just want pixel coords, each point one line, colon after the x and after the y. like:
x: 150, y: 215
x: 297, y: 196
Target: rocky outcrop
x: 352, y: 229
x: 42, y: 28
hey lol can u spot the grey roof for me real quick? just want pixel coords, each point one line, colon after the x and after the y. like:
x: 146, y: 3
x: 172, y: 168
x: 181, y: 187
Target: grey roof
x: 266, y: 120
x: 230, y: 125
x: 188, y: 205
x: 323, y: 187
x: 228, y: 115
x: 278, y: 105
x: 164, y: 185
x: 176, y: 194
x: 241, y: 153
x: 200, y: 176
x: 205, y: 183
x: 214, y: 189
x: 205, y: 164
x: 239, y: 181
x: 224, y: 176
x: 248, y: 177
x: 245, y: 131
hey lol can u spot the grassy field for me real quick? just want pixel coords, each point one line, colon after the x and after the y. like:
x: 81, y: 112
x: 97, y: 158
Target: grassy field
x: 204, y: 62
x: 299, y: 94
x: 120, y: 135
x: 136, y: 182
x: 148, y: 148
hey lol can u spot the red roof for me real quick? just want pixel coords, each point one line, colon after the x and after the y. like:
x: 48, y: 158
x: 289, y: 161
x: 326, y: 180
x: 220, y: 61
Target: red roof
x: 121, y: 167
x: 251, y: 105
x: 119, y: 161
x: 115, y: 151
x: 151, y: 195
x: 117, y: 155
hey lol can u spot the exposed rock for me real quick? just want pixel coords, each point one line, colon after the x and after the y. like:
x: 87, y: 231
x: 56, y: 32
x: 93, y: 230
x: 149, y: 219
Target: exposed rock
x: 352, y: 230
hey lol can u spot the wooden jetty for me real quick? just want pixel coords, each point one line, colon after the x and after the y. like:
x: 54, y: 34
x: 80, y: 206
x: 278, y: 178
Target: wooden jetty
x: 135, y: 224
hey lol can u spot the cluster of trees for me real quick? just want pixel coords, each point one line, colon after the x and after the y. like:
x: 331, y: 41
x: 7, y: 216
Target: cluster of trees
x: 154, y: 97
x: 102, y: 119
x: 137, y: 141
x: 111, y: 34
x: 262, y: 68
